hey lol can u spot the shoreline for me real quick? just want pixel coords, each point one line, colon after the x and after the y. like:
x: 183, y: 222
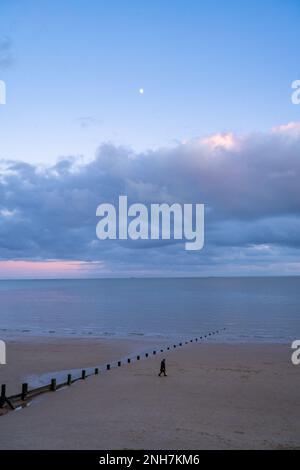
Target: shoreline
x: 225, y: 338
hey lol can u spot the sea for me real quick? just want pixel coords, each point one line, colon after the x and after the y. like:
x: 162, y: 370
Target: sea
x: 243, y: 309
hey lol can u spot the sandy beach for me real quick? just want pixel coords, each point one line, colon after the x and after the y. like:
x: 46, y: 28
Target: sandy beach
x: 30, y: 358
x: 216, y: 396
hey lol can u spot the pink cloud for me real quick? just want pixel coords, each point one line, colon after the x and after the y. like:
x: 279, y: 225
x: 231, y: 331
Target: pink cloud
x: 292, y: 128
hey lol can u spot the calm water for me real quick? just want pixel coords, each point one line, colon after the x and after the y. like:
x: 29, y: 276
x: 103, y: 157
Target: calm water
x: 251, y: 309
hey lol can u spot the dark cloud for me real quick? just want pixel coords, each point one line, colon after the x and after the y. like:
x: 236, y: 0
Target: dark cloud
x: 249, y: 184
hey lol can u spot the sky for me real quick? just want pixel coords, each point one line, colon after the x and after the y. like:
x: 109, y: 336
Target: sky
x: 215, y: 125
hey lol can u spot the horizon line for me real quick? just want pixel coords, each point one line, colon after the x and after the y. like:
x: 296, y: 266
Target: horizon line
x: 247, y: 276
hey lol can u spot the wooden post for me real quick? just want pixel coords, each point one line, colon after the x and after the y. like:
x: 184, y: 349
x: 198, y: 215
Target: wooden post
x: 83, y: 374
x: 180, y: 344
x: 53, y: 385
x: 24, y: 391
x: 146, y: 354
x: 129, y: 360
x: 119, y: 363
x: 168, y: 348
x: 137, y: 358
x: 174, y: 345
x: 96, y: 371
x: 69, y: 381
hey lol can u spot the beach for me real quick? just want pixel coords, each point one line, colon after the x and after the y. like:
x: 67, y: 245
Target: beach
x: 215, y: 396
x: 33, y: 359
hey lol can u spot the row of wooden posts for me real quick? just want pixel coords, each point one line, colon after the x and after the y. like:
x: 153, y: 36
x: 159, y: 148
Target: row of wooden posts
x: 20, y: 399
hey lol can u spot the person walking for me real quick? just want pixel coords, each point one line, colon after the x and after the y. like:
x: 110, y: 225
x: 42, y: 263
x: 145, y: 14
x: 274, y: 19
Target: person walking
x: 162, y: 368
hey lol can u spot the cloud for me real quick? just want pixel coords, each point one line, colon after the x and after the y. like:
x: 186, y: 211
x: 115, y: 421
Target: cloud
x: 249, y: 184
x: 292, y: 128
x: 227, y: 141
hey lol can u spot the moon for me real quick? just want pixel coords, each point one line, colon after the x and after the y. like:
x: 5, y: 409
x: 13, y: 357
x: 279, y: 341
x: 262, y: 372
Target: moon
x: 141, y: 91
